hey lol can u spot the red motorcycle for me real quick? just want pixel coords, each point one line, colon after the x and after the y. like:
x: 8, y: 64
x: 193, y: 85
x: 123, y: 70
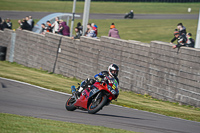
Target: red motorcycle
x: 94, y: 98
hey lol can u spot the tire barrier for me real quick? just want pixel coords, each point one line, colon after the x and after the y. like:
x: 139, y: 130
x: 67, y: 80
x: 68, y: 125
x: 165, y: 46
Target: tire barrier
x: 3, y: 53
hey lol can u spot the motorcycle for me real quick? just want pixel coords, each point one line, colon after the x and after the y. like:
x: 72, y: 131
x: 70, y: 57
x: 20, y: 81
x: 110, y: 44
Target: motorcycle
x: 94, y: 98
x: 128, y: 15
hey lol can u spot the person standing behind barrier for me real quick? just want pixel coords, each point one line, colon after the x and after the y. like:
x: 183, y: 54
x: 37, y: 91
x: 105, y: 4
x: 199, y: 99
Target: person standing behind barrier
x: 28, y: 21
x: 181, y: 29
x: 44, y: 29
x: 2, y: 24
x: 9, y: 23
x: 32, y: 21
x: 90, y: 32
x: 181, y: 40
x: 78, y: 34
x: 49, y: 29
x: 94, y: 27
x: 190, y: 40
x: 113, y: 32
x: 24, y: 25
x: 80, y: 27
x: 55, y: 25
x: 64, y: 29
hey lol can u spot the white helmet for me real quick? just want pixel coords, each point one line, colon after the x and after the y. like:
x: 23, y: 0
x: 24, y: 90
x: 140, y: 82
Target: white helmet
x: 113, y: 70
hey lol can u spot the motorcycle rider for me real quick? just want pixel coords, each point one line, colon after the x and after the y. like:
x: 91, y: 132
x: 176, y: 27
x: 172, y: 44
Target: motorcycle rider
x: 112, y: 72
x: 129, y: 15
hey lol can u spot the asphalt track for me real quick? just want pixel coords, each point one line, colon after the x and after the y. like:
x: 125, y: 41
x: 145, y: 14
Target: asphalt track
x: 39, y: 15
x: 28, y: 100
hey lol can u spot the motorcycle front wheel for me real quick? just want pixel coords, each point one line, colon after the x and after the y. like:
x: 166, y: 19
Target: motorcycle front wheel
x: 70, y: 104
x: 97, y: 105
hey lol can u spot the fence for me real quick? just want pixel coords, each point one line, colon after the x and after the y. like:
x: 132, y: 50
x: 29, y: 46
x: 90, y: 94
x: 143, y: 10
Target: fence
x: 155, y: 69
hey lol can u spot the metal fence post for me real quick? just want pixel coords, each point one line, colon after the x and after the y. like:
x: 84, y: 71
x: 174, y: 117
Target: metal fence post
x: 86, y: 15
x: 12, y: 46
x: 72, y: 22
x: 197, y: 42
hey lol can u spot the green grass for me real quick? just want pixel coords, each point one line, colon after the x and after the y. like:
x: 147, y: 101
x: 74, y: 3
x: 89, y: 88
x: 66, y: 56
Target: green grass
x: 20, y: 124
x: 100, y: 7
x: 139, y: 29
x: 145, y: 30
x: 126, y: 98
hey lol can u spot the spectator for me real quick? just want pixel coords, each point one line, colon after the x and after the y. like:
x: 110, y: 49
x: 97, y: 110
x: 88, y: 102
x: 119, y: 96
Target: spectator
x: 49, y: 28
x: 90, y: 32
x: 59, y: 26
x: 113, y: 32
x: 28, y: 21
x: 1, y: 24
x: 181, y: 40
x: 190, y: 40
x: 32, y: 22
x: 181, y: 29
x: 64, y: 29
x: 44, y: 28
x: 80, y: 27
x: 94, y: 27
x: 9, y: 23
x: 78, y: 34
x: 55, y: 25
x: 24, y: 25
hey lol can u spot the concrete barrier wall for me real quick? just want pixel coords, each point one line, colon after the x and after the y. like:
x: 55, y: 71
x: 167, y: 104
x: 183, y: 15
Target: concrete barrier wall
x: 155, y: 69
x: 172, y: 76
x: 35, y: 50
x: 5, y: 40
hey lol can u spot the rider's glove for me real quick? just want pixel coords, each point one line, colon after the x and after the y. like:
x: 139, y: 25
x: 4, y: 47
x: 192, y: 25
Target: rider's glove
x: 99, y: 79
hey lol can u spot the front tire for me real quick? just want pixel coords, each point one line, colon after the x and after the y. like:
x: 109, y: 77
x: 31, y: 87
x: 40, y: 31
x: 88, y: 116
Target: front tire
x: 97, y: 105
x: 70, y: 104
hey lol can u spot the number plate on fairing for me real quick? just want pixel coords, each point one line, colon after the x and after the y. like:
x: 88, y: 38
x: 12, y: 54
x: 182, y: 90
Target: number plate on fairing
x: 93, y: 91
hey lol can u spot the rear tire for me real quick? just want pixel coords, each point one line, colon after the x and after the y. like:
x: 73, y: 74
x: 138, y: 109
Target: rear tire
x: 94, y: 107
x: 70, y: 104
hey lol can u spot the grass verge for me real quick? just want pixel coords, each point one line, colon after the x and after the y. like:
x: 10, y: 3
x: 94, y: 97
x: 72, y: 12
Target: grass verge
x: 126, y: 99
x: 10, y: 123
x: 100, y: 7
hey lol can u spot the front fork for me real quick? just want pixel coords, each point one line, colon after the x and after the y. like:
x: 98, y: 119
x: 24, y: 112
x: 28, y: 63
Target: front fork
x: 97, y: 97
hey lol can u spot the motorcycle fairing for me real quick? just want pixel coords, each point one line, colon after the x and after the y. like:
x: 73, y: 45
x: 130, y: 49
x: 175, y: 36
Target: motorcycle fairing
x: 93, y: 91
x: 82, y: 101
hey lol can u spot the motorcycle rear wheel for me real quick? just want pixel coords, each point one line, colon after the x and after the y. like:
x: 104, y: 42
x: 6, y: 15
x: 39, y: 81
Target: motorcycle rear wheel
x: 70, y: 104
x: 97, y: 105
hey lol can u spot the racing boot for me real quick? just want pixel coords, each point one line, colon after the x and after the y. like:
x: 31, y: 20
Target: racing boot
x: 81, y: 87
x: 73, y: 89
x: 85, y: 84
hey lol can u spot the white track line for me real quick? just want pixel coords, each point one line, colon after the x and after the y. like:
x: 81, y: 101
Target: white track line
x: 35, y: 86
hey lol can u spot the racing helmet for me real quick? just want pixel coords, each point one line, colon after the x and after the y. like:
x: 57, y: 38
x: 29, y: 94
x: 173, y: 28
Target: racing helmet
x: 113, y: 70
